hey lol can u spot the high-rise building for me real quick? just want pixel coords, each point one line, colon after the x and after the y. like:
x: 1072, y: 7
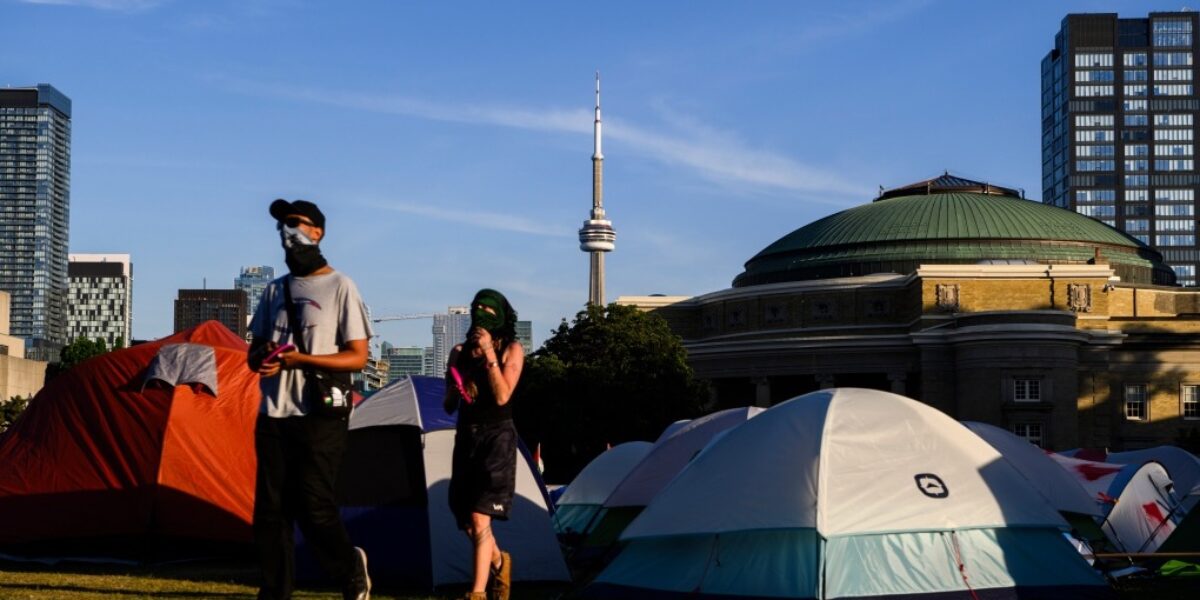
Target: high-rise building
x: 525, y: 335
x: 194, y: 307
x: 35, y: 199
x: 403, y: 361
x: 1119, y: 110
x: 430, y: 363
x: 254, y: 280
x: 100, y: 302
x: 449, y: 329
x: 19, y: 376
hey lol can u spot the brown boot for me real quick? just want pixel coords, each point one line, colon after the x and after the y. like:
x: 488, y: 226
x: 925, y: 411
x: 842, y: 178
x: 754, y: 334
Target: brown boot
x: 501, y: 583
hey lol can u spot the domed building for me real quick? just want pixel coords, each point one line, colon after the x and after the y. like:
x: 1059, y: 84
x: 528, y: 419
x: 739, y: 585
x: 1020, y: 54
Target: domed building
x: 970, y: 298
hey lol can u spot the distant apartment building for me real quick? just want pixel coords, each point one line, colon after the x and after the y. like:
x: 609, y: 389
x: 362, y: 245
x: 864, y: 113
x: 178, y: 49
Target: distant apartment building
x: 254, y: 280
x: 449, y: 329
x: 193, y: 307
x: 100, y: 298
x: 1119, y: 111
x: 35, y: 201
x: 404, y: 361
x: 430, y: 363
x: 373, y: 377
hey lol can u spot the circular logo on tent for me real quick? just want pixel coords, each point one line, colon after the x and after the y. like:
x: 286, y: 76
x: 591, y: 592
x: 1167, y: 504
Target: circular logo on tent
x: 931, y: 485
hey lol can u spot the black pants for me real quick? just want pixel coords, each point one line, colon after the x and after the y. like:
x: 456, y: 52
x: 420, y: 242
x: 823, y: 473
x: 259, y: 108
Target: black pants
x: 298, y: 461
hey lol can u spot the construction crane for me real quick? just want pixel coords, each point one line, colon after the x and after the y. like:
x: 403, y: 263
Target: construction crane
x: 403, y: 317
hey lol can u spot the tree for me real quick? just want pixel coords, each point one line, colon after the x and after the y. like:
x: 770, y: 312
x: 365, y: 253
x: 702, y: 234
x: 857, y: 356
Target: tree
x: 79, y: 350
x: 9, y: 411
x: 614, y: 375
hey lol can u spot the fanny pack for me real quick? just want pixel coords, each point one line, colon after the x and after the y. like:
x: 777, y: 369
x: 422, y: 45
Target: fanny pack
x: 327, y: 393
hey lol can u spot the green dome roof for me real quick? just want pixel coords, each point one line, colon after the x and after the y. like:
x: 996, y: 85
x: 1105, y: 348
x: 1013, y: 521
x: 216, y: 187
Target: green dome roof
x: 928, y: 223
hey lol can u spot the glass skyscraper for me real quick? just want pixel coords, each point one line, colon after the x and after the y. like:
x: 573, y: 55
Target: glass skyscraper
x: 449, y: 329
x: 1119, y: 110
x: 404, y: 360
x: 35, y: 199
x: 254, y: 280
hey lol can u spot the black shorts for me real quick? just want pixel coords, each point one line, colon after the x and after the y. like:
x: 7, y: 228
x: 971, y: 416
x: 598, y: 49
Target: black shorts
x: 484, y: 471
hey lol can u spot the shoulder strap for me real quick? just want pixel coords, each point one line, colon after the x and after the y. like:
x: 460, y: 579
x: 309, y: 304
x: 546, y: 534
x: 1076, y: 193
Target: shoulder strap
x: 293, y: 319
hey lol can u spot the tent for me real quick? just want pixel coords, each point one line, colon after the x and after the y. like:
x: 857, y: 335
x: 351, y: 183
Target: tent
x: 661, y: 464
x: 1141, y: 507
x: 141, y: 453
x: 393, y: 489
x: 579, y: 506
x: 848, y: 493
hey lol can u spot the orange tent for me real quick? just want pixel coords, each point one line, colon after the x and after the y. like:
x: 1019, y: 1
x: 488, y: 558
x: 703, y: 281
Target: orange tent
x: 134, y: 449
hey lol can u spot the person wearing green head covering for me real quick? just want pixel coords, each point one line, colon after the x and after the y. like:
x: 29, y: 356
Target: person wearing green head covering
x: 483, y: 372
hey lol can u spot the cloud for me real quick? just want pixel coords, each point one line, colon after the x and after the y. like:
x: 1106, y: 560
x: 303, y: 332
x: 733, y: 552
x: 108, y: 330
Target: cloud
x: 113, y: 5
x: 716, y: 155
x: 475, y: 218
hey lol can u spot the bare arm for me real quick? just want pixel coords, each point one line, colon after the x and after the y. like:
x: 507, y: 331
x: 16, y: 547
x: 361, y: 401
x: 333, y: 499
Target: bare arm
x: 351, y: 356
x: 503, y: 375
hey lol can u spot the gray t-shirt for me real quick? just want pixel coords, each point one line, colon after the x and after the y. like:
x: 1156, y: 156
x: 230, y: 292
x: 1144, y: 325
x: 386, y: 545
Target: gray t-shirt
x: 331, y: 313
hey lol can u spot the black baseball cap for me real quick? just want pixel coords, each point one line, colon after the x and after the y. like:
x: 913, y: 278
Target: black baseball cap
x: 282, y: 208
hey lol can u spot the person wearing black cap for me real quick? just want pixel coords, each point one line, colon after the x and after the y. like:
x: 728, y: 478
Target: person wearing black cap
x: 310, y: 332
x: 484, y: 371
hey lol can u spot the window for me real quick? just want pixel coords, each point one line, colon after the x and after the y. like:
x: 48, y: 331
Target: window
x: 1172, y: 32
x: 1030, y: 432
x: 1094, y: 165
x: 1189, y: 395
x: 1184, y: 274
x: 1135, y: 59
x: 1101, y: 76
x: 1172, y: 75
x: 1173, y: 165
x: 1098, y: 60
x: 1130, y: 90
x: 1098, y: 135
x: 1097, y: 211
x: 1172, y: 59
x: 1177, y: 89
x: 1137, y: 225
x: 1175, y: 240
x: 1179, y: 195
x: 1137, y: 180
x: 1136, y: 75
x: 1137, y: 120
x: 1135, y: 402
x: 1134, y: 105
x: 1088, y: 91
x: 1095, y: 120
x: 1136, y: 195
x: 1173, y: 120
x: 1137, y: 150
x: 1095, y: 195
x: 1094, y: 150
x: 1027, y: 390
x: 1137, y: 165
x: 1173, y: 210
x: 1172, y: 149
x: 1175, y: 225
x: 1172, y: 135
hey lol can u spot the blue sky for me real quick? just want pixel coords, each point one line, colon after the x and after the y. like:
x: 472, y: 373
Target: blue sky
x: 449, y: 144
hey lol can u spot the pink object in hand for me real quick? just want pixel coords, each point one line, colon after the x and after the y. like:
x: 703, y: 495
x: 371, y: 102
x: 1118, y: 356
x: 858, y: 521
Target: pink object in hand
x: 280, y: 350
x: 458, y: 382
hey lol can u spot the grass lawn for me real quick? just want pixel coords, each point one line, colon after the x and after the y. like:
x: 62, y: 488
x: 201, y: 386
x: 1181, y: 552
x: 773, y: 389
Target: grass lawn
x: 235, y: 582
x: 21, y: 581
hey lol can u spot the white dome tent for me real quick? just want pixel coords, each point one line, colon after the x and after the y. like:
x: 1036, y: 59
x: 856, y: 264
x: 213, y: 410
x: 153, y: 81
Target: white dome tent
x: 848, y: 493
x: 578, y: 508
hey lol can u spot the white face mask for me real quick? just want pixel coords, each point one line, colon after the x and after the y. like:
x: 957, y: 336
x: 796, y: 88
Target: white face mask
x: 292, y: 237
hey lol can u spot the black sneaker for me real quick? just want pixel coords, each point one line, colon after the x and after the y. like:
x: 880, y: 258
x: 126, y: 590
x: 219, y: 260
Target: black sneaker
x: 359, y: 587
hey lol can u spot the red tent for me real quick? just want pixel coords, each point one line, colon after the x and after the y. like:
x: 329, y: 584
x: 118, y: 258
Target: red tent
x: 135, y: 446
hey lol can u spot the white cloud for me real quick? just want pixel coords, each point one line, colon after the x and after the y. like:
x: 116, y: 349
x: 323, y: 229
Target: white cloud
x: 715, y: 155
x: 113, y: 5
x: 475, y: 218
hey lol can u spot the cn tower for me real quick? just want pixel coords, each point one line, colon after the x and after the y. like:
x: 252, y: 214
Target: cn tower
x: 597, y: 235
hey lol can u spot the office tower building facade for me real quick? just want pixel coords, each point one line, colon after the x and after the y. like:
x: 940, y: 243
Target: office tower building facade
x: 403, y: 361
x: 254, y: 280
x: 100, y: 298
x: 193, y: 307
x: 525, y: 335
x: 449, y: 330
x: 430, y: 364
x: 1119, y: 112
x: 35, y: 199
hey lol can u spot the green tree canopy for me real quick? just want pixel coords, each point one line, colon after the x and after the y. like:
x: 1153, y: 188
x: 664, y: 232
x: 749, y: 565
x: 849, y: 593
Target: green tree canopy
x: 79, y: 350
x: 614, y: 375
x: 9, y: 411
